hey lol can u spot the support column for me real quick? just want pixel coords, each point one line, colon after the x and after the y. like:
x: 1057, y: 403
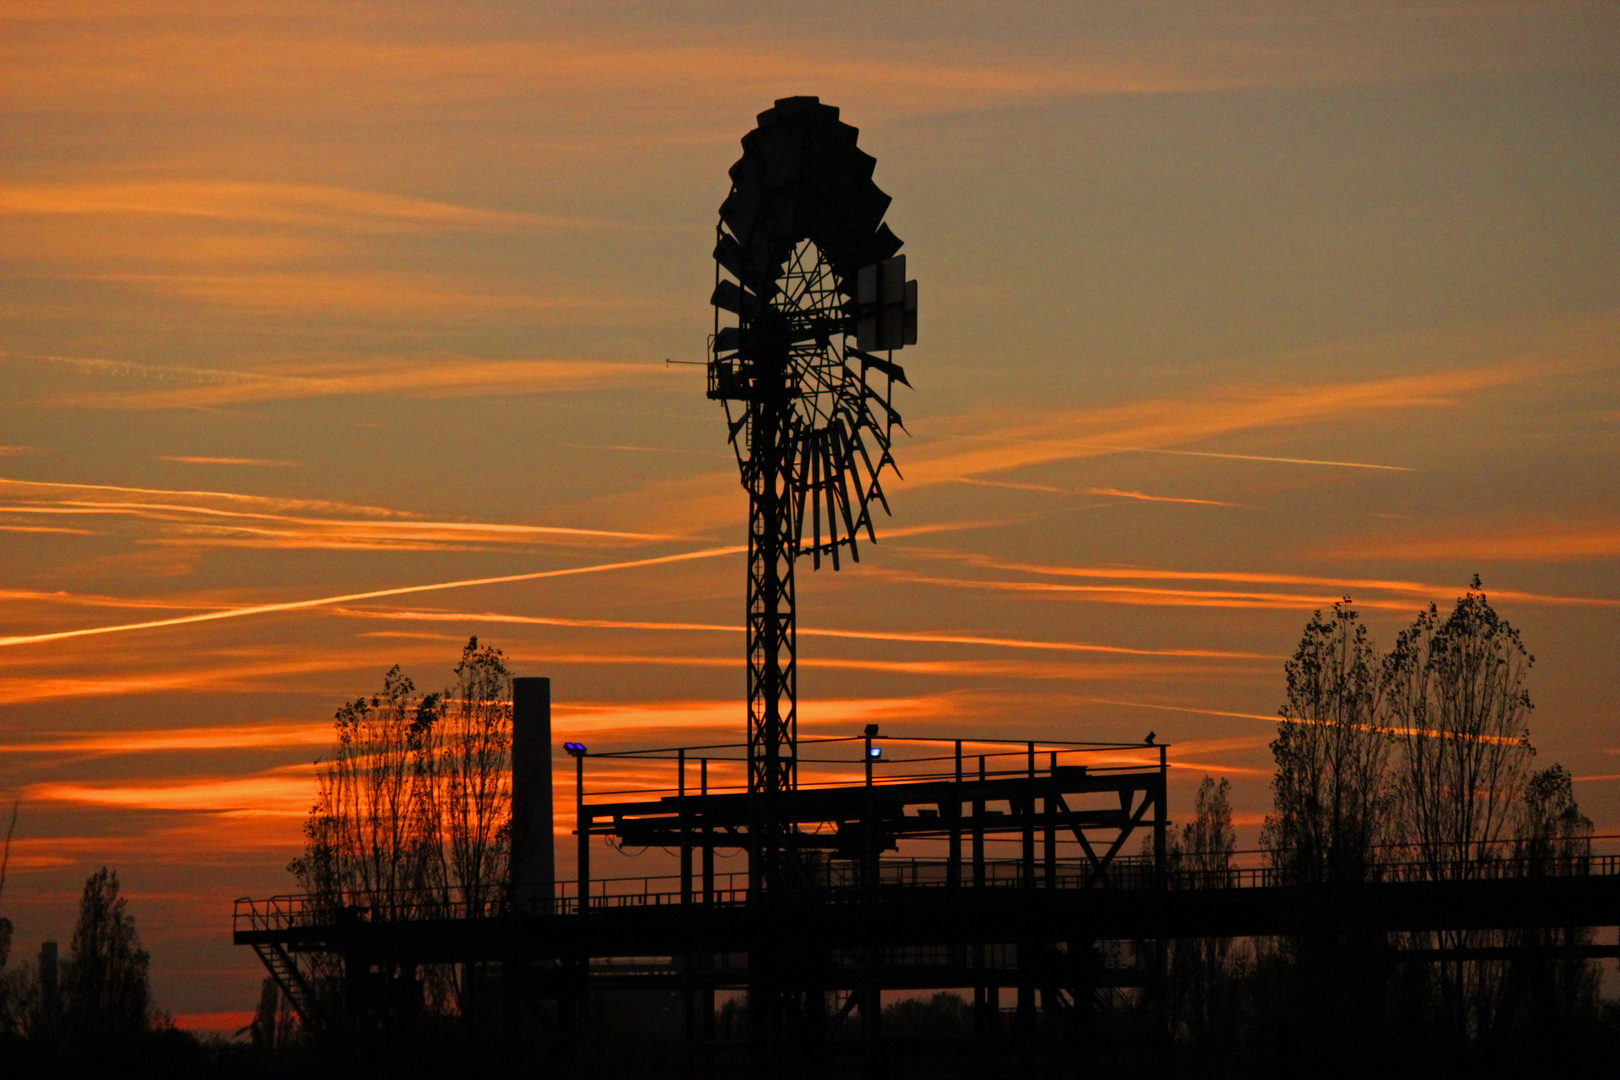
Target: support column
x: 1049, y: 837
x: 983, y: 1020
x: 706, y: 1001
x: 583, y: 828
x: 953, y: 861
x: 1026, y: 944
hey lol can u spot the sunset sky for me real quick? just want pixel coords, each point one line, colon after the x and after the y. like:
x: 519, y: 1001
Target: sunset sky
x: 317, y: 316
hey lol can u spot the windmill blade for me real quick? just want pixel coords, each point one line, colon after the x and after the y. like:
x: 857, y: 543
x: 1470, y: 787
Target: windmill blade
x: 876, y: 486
x: 800, y: 468
x: 835, y: 438
x: 855, y: 478
x: 827, y: 482
x: 815, y: 502
x: 894, y: 417
x: 894, y: 371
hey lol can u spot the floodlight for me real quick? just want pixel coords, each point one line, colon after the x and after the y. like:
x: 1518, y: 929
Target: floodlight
x: 575, y: 749
x: 874, y: 752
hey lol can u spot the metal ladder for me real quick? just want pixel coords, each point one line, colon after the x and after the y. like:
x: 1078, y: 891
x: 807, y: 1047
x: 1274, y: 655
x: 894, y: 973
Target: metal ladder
x: 285, y: 972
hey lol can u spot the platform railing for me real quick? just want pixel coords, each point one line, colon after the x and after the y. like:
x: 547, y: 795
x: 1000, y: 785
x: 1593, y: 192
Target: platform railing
x: 280, y: 914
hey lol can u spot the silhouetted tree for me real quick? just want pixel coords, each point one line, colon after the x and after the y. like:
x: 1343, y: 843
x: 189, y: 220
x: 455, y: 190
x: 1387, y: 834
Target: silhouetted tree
x: 273, y: 1025
x: 106, y: 987
x: 1553, y: 836
x: 465, y: 786
x: 413, y: 814
x: 467, y: 796
x: 1545, y: 993
x: 1457, y: 699
x: 1204, y: 972
x: 1331, y: 792
x: 366, y: 835
x: 5, y: 864
x: 1209, y: 841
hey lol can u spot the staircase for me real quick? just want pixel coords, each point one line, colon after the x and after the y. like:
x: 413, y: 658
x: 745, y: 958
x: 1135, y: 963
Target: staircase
x: 285, y: 971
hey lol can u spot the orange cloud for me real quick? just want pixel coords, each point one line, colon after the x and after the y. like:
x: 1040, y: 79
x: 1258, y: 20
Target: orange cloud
x: 1342, y: 586
x: 40, y: 490
x: 328, y: 601
x: 912, y: 637
x: 32, y: 598
x: 17, y: 690
x: 1184, y: 453
x: 1148, y: 596
x: 430, y: 57
x: 994, y: 669
x: 448, y: 377
x: 283, y: 793
x: 1167, y: 423
x: 376, y: 292
x: 310, y: 205
x: 631, y: 718
x: 196, y: 523
x: 221, y: 737
x: 266, y: 462
x: 1113, y: 493
x: 46, y: 529
x: 1552, y: 543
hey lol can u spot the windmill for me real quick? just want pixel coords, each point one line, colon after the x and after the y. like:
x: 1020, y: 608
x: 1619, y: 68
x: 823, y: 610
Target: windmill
x: 808, y: 292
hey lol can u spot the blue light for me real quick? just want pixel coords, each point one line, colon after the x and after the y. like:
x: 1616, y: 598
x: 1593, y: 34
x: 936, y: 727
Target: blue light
x: 577, y: 749
x: 875, y: 752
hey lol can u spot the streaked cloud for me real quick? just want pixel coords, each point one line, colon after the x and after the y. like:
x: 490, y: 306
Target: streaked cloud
x: 1341, y: 586
x: 313, y: 206
x: 631, y: 719
x: 901, y: 636
x: 449, y: 377
x: 377, y: 293
x: 287, y: 792
x: 421, y: 57
x: 328, y: 601
x: 263, y: 462
x: 1552, y: 542
x: 1146, y: 596
x: 218, y: 737
x: 1173, y: 422
x: 1197, y: 453
x: 42, y: 490
x: 195, y: 518
x: 1112, y: 493
x: 240, y: 678
x: 45, y: 529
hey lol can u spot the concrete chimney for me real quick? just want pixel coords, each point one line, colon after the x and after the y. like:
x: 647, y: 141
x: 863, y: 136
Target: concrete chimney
x: 533, y: 856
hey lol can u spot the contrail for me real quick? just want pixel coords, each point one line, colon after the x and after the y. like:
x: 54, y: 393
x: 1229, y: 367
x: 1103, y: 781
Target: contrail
x: 1249, y: 457
x: 324, y: 601
x: 1186, y: 453
x: 920, y: 637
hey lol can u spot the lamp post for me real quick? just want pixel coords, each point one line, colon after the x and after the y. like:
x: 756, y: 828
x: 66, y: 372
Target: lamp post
x: 582, y: 824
